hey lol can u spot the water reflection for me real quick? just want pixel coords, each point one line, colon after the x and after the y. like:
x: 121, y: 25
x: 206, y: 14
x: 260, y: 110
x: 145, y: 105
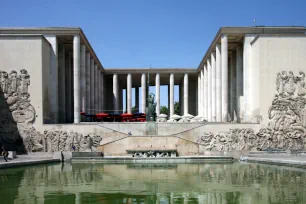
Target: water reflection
x: 129, y: 183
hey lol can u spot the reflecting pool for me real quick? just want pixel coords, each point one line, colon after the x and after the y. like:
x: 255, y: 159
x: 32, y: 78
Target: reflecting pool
x: 144, y: 183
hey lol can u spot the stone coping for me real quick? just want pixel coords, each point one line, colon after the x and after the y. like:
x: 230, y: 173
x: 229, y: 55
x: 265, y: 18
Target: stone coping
x: 154, y: 160
x: 18, y: 163
x: 299, y: 162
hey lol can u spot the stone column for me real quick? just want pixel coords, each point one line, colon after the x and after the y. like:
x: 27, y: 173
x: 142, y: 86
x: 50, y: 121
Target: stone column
x: 102, y: 93
x: 83, y: 78
x: 157, y: 86
x: 97, y: 71
x: 115, y: 93
x: 203, y: 110
x: 218, y: 84
x: 88, y: 96
x: 199, y: 94
x: 239, y: 78
x: 233, y: 87
x: 205, y: 95
x: 129, y: 93
x: 224, y: 70
x: 61, y: 84
x: 68, y: 86
x: 185, y: 94
x: 209, y: 111
x: 143, y: 93
x: 137, y: 98
x: 53, y: 82
x: 171, y: 94
x: 213, y: 88
x: 92, y: 86
x: 76, y: 78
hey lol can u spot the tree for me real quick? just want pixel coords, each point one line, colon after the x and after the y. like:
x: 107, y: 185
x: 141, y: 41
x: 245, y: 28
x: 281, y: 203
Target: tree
x: 164, y: 110
x: 135, y: 109
x: 176, y: 108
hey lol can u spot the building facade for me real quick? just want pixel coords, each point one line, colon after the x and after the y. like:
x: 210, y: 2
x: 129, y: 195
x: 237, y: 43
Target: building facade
x: 57, y: 70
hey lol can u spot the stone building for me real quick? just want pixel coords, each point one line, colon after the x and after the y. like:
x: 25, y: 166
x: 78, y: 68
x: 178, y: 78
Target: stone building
x: 239, y: 76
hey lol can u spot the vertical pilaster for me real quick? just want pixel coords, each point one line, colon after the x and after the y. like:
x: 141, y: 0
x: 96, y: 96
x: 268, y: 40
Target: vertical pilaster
x: 103, y: 92
x: 224, y: 68
x: 218, y: 84
x: 157, y: 86
x: 129, y: 93
x: 171, y: 94
x: 76, y: 79
x: 143, y: 93
x: 213, y: 87
x: 203, y: 110
x: 185, y: 94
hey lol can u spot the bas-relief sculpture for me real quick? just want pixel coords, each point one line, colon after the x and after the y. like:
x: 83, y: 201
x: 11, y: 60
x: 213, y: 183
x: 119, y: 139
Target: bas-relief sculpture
x: 18, y: 115
x: 58, y: 140
x: 287, y: 122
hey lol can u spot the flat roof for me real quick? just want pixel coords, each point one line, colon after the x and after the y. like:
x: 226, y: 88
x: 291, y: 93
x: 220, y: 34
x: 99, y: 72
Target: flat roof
x: 293, y: 30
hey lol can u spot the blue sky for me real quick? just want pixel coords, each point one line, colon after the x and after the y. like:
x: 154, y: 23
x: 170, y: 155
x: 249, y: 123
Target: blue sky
x: 156, y: 33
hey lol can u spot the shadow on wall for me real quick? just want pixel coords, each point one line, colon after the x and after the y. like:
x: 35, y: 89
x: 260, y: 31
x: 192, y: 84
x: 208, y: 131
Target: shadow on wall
x: 9, y: 134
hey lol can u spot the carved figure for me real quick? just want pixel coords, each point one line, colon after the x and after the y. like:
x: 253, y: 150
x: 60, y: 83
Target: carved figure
x: 24, y: 81
x: 4, y: 82
x: 13, y: 82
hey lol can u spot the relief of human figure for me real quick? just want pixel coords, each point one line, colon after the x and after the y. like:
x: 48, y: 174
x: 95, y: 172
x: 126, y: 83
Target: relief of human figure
x: 13, y: 82
x: 301, y: 90
x: 290, y: 86
x: 24, y: 78
x: 4, y: 82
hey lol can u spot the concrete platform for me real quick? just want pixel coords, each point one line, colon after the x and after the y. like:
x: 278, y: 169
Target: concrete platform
x: 26, y: 160
x: 150, y: 160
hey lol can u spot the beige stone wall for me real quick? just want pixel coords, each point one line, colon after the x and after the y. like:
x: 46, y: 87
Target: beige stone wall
x: 271, y: 55
x: 25, y: 52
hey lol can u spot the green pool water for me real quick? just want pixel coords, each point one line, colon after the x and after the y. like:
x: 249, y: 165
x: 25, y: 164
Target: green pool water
x: 143, y: 183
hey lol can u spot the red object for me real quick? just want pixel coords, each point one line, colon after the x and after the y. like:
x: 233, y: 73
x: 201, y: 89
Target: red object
x: 102, y: 115
x: 140, y: 119
x: 83, y: 113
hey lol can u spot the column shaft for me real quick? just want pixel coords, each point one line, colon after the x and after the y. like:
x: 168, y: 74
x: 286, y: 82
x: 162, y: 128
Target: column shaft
x: 137, y: 98
x: 157, y: 86
x: 115, y: 93
x: 76, y: 78
x: 88, y: 96
x: 97, y: 71
x: 213, y: 87
x: 83, y: 78
x: 218, y: 84
x: 199, y: 94
x: 171, y: 94
x: 205, y: 95
x: 129, y: 93
x: 102, y: 92
x: 143, y: 93
x: 209, y: 111
x: 186, y: 94
x: 239, y: 78
x: 92, y: 86
x: 61, y: 84
x: 224, y: 70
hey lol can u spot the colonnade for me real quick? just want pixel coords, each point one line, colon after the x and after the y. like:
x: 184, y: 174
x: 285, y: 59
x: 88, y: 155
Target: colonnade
x: 144, y: 91
x: 80, y: 82
x: 213, y: 85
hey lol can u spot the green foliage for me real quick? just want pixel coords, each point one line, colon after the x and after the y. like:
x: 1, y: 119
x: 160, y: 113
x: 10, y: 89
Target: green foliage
x: 135, y: 109
x: 176, y: 108
x: 164, y: 110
